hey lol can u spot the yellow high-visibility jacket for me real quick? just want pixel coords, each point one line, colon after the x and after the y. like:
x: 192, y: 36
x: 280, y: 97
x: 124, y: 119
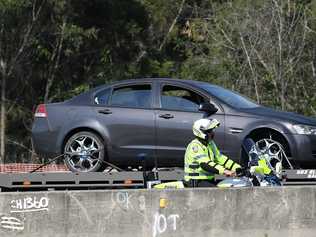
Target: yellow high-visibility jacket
x: 198, y: 154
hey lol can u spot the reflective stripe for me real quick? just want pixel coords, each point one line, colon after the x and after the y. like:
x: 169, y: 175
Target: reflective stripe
x: 192, y: 174
x: 213, y: 164
x: 209, y: 162
x: 198, y: 174
x: 231, y: 166
x: 187, y: 178
x: 235, y: 166
x: 192, y: 166
x: 199, y: 156
x: 229, y: 163
x: 218, y: 167
x: 225, y: 161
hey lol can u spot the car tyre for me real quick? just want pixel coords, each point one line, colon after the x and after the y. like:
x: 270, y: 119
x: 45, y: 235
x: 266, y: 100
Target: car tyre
x: 84, y: 152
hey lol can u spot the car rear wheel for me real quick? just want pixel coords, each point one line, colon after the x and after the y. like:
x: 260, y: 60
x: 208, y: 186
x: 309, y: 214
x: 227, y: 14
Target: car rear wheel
x: 84, y: 152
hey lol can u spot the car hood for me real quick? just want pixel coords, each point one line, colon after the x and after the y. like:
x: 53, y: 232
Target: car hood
x: 281, y: 115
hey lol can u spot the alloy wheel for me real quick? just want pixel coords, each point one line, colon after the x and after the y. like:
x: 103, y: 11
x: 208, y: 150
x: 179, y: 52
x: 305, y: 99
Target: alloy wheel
x: 84, y: 152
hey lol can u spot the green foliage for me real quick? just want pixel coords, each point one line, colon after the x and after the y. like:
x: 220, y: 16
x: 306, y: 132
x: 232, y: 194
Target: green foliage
x: 57, y: 49
x: 65, y: 95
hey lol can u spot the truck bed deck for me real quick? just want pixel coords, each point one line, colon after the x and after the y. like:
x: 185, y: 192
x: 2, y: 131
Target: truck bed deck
x: 111, y: 180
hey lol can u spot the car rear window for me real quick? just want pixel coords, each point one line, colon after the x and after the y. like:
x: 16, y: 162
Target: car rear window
x: 102, y: 97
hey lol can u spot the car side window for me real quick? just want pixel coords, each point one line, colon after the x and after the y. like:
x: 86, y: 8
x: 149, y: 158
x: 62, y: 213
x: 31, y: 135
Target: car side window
x: 135, y: 96
x: 102, y: 97
x: 177, y: 98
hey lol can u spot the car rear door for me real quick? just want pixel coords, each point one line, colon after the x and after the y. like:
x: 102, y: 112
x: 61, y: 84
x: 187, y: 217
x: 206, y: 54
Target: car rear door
x: 129, y: 122
x: 178, y: 109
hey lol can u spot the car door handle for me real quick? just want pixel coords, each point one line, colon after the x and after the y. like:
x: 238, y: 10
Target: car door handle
x: 105, y: 111
x: 166, y: 116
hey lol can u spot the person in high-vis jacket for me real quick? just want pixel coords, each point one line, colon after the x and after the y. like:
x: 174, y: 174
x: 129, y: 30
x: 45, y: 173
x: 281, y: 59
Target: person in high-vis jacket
x: 203, y: 159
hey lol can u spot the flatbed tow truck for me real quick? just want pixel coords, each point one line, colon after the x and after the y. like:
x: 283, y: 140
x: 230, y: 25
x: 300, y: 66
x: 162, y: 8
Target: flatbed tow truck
x: 116, y: 178
x: 41, y: 181
x: 119, y: 179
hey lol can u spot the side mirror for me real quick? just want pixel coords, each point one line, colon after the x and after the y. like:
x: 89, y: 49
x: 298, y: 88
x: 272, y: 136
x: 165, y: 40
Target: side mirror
x: 208, y: 109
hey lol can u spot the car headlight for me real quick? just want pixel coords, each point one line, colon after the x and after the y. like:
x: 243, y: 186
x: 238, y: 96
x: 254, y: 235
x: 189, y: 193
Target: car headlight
x: 304, y: 129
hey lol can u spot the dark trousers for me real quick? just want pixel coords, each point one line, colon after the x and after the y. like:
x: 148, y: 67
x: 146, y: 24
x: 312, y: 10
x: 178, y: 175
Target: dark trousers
x: 195, y: 183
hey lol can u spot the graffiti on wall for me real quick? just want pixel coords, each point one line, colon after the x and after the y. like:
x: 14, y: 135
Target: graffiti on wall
x: 29, y: 204
x: 162, y: 223
x: 15, y: 221
x: 11, y: 223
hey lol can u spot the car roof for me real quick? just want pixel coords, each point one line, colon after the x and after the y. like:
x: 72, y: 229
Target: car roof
x: 162, y: 79
x: 87, y: 95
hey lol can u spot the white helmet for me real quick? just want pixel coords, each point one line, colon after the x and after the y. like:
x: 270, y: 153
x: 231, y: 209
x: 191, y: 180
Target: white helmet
x: 202, y: 125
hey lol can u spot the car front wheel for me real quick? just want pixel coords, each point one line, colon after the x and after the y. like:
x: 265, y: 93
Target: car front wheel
x: 84, y: 152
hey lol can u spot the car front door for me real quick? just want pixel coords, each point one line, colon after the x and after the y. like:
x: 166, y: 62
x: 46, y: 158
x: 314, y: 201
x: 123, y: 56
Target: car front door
x: 129, y: 122
x: 174, y: 120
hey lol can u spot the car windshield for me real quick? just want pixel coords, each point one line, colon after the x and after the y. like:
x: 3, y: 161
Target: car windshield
x: 229, y: 97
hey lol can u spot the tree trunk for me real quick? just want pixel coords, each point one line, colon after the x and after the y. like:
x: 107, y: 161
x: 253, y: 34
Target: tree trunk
x: 2, y: 115
x: 56, y: 57
x: 254, y: 74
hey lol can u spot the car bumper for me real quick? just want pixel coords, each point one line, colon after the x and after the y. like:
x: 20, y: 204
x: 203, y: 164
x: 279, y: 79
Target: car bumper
x: 304, y: 147
x: 44, y: 140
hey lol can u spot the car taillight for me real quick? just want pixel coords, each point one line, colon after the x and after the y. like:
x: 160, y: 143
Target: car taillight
x: 41, y: 111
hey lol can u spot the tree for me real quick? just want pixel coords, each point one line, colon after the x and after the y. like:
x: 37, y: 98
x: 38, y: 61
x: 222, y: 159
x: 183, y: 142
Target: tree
x: 260, y: 48
x: 15, y: 40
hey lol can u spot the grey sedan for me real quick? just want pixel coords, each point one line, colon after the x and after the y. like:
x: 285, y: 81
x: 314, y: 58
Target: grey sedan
x: 118, y: 122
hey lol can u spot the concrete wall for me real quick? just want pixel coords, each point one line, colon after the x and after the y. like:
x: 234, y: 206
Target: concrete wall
x: 264, y: 212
